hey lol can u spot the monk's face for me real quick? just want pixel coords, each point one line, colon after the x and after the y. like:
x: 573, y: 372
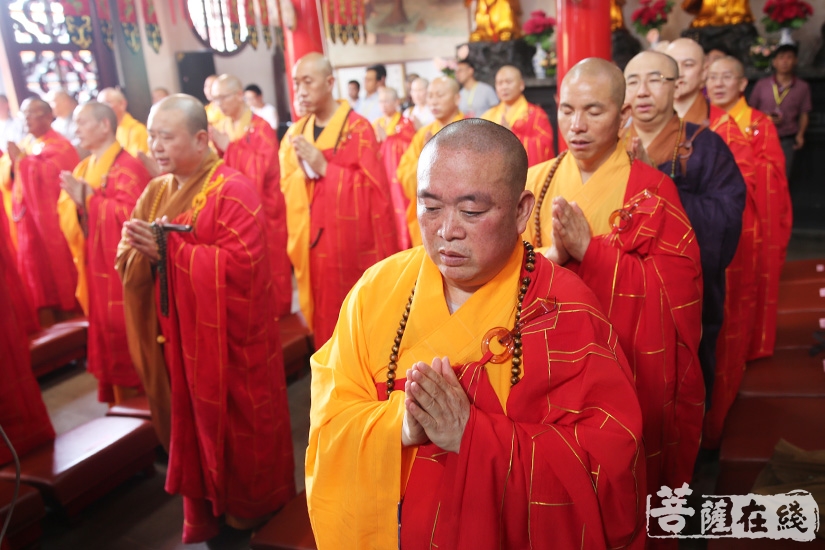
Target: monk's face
x: 692, y: 71
x: 207, y: 86
x: 311, y: 87
x: 229, y: 99
x: 91, y: 131
x: 172, y: 144
x: 725, y: 83
x: 38, y: 117
x: 651, y: 81
x: 509, y: 85
x: 442, y: 101
x: 418, y: 93
x: 470, y: 221
x: 389, y: 105
x: 589, y: 119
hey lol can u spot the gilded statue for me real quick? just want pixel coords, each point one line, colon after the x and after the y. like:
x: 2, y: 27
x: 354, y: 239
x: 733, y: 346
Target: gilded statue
x: 616, y: 15
x: 716, y: 13
x: 496, y: 20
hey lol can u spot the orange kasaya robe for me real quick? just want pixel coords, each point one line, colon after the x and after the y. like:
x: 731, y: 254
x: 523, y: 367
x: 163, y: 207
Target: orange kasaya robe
x: 23, y: 414
x: 213, y: 367
x: 132, y: 135
x: 43, y: 256
x: 554, y: 462
x: 253, y: 151
x: 339, y: 224
x: 775, y: 214
x: 648, y: 279
x: 530, y: 125
x: 400, y: 131
x: 740, y: 276
x: 119, y: 179
x: 408, y: 173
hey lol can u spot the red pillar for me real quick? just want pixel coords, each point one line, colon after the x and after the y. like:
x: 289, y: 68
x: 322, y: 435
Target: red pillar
x: 583, y: 31
x: 307, y: 37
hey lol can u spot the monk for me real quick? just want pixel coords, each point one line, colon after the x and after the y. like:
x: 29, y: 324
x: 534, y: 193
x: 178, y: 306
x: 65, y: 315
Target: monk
x: 394, y: 132
x: 620, y: 225
x: 726, y: 85
x: 198, y: 298
x: 103, y: 190
x: 442, y: 99
x: 23, y: 414
x: 131, y: 134
x: 710, y: 184
x: 529, y: 122
x: 740, y: 276
x: 213, y: 111
x: 339, y: 211
x: 247, y: 143
x: 531, y: 442
x: 43, y: 257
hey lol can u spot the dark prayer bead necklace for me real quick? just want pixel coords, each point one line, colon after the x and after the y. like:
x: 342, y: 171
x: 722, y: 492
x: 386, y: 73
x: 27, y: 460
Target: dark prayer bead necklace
x: 511, y: 340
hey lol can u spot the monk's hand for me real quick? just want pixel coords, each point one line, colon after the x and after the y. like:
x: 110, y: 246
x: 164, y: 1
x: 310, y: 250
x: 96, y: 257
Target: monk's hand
x: 570, y: 228
x: 439, y: 403
x: 412, y: 432
x: 72, y: 186
x: 310, y: 154
x: 557, y: 253
x: 219, y: 139
x: 638, y: 151
x: 141, y: 237
x: 504, y: 122
x: 14, y: 152
x: 149, y: 163
x: 380, y: 134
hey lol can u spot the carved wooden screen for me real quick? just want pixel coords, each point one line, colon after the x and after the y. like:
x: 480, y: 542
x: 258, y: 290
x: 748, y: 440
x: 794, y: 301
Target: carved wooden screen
x: 221, y: 25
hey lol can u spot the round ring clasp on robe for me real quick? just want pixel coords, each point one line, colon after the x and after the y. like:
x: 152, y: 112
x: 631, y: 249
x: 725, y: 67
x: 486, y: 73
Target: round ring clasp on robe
x: 504, y: 338
x: 620, y: 220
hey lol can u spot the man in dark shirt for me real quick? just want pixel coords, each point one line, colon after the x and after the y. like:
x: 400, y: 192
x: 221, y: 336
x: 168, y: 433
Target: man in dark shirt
x: 787, y: 100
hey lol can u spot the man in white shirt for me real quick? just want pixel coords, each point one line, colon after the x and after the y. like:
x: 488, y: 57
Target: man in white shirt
x: 476, y: 97
x: 255, y: 99
x: 353, y: 92
x: 375, y: 79
x: 63, y: 105
x: 419, y: 113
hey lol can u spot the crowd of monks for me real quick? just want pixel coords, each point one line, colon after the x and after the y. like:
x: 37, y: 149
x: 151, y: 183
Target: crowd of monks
x: 572, y: 330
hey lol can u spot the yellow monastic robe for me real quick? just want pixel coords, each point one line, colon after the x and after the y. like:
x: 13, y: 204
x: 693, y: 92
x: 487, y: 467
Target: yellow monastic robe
x: 741, y: 113
x: 235, y: 130
x: 346, y: 369
x: 92, y: 170
x: 388, y: 124
x: 516, y: 112
x: 6, y: 182
x: 132, y: 135
x: 603, y: 193
x: 408, y: 173
x: 213, y: 113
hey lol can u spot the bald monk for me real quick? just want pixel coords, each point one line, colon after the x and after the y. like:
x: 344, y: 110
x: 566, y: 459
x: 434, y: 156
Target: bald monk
x: 710, y: 184
x: 529, y: 122
x: 23, y: 414
x: 726, y: 85
x: 210, y: 355
x: 442, y: 99
x: 213, y: 111
x: 486, y: 448
x: 247, y: 143
x: 131, y: 134
x: 102, y: 191
x: 43, y: 257
x: 620, y: 225
x: 394, y: 132
x: 339, y: 211
x: 63, y: 105
x: 740, y: 276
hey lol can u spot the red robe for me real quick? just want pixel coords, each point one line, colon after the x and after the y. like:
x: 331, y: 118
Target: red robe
x: 531, y: 126
x: 391, y: 150
x: 256, y: 156
x: 230, y: 448
x: 740, y: 277
x: 108, y: 352
x: 649, y: 280
x: 23, y: 414
x: 571, y: 435
x: 342, y: 223
x: 43, y: 256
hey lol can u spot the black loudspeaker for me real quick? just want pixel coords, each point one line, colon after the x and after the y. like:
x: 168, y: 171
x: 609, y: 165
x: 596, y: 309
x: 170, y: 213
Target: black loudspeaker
x: 193, y: 68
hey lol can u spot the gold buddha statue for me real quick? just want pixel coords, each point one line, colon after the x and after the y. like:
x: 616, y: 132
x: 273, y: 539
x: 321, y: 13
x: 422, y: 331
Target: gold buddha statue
x: 616, y: 15
x: 496, y: 20
x: 716, y: 13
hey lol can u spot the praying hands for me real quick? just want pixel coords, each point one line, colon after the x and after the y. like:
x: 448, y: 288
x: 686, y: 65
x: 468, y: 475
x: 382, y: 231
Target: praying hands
x: 571, y: 230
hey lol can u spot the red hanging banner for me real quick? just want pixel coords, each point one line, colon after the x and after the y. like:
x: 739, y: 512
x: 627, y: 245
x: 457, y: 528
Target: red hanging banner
x: 150, y: 18
x: 104, y: 15
x: 78, y: 16
x: 251, y: 27
x: 264, y: 7
x: 129, y: 23
x: 234, y: 22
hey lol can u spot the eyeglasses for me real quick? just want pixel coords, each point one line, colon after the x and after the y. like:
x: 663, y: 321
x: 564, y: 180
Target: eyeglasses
x: 655, y: 80
x: 224, y: 97
x: 726, y: 78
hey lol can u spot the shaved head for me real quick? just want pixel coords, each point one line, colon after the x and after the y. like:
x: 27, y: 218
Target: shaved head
x: 389, y: 93
x: 731, y: 62
x: 691, y: 59
x: 192, y: 110
x: 38, y: 105
x: 597, y: 69
x: 228, y: 84
x: 115, y: 99
x: 443, y: 99
x: 504, y: 155
x: 653, y: 59
x: 685, y: 46
x: 38, y: 115
x: 100, y: 112
x: 316, y: 62
x: 445, y: 82
x: 509, y: 84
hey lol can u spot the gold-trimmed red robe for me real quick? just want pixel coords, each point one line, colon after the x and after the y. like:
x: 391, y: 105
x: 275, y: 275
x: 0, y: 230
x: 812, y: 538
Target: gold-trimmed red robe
x: 530, y: 125
x: 339, y: 224
x: 399, y: 131
x: 132, y: 135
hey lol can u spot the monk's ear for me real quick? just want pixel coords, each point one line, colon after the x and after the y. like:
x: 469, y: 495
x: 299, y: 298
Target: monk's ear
x: 743, y: 83
x: 624, y: 115
x: 524, y: 208
x: 202, y: 139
